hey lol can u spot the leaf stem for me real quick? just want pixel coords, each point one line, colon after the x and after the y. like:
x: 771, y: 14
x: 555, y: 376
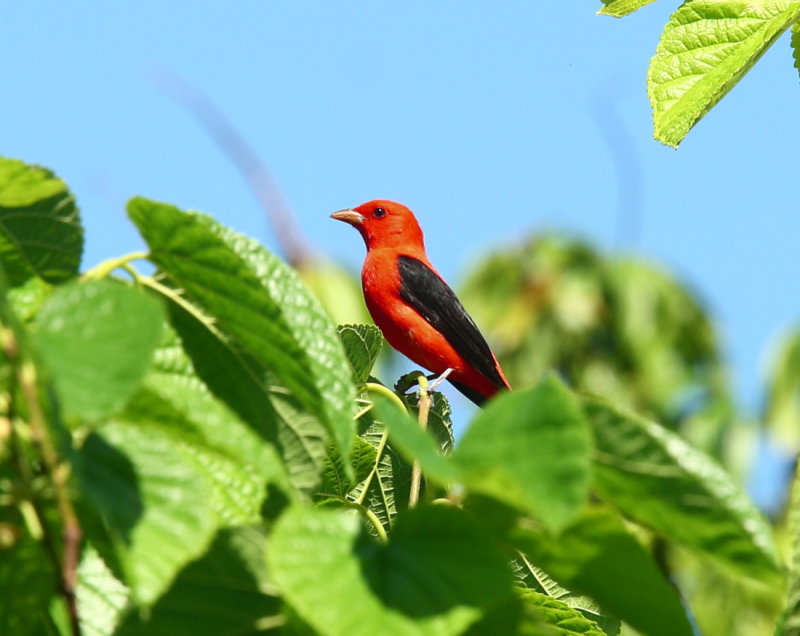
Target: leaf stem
x: 379, y: 389
x: 102, y: 270
x: 423, y: 410
x: 369, y: 515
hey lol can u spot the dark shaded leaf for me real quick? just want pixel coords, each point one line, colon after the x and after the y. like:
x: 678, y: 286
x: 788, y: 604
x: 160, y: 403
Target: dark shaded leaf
x: 436, y: 575
x: 40, y: 230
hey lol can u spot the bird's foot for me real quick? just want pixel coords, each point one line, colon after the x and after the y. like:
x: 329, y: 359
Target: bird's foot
x: 410, y: 380
x: 436, y: 381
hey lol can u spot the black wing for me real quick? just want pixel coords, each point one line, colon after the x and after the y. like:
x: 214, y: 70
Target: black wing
x: 438, y: 304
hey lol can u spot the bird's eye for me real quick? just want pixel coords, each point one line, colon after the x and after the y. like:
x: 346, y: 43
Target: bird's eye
x: 379, y: 213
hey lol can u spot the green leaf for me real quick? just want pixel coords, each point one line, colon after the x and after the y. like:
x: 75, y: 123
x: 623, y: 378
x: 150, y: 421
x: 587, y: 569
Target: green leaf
x: 237, y: 461
x: 98, y: 340
x: 416, y: 444
x: 789, y: 623
x: 40, y: 230
x: 620, y: 8
x: 337, y: 289
x: 565, y: 620
x: 782, y: 408
x: 153, y: 501
x: 658, y: 480
x: 225, y: 587
x: 537, y: 580
x: 598, y: 557
x: 796, y: 45
x: 362, y: 346
x: 440, y: 423
x: 531, y: 449
x: 706, y: 48
x: 240, y: 382
x: 335, y: 480
x: 385, y: 488
x: 260, y: 303
x: 528, y: 448
x: 26, y: 575
x: 102, y: 598
x: 27, y: 299
x: 436, y: 575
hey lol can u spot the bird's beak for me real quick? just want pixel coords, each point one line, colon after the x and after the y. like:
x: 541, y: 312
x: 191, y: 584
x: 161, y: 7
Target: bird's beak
x: 348, y: 216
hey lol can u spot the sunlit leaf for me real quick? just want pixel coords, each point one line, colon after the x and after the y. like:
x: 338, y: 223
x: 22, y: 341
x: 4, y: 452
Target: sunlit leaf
x: 98, y: 340
x: 260, y: 302
x: 706, y: 47
x: 531, y: 449
x: 102, y: 598
x: 620, y: 8
x: 240, y: 382
x: 153, y: 500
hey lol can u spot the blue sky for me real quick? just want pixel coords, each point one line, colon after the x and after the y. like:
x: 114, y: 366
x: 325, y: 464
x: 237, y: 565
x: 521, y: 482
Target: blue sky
x: 489, y: 121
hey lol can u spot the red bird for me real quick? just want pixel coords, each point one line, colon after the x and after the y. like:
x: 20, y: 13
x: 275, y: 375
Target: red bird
x: 415, y: 309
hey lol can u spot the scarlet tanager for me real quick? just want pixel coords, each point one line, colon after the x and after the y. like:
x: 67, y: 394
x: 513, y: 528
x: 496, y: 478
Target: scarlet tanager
x: 417, y: 311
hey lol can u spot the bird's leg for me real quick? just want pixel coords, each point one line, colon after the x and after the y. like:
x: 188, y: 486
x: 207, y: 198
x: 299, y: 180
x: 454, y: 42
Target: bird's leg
x: 436, y: 381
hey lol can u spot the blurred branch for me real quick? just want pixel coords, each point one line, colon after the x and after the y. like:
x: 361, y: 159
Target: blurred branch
x: 626, y: 161
x: 246, y: 160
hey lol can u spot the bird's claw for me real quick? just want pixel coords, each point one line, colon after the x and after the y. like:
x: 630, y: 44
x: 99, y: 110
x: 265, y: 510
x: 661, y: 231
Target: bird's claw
x: 407, y: 381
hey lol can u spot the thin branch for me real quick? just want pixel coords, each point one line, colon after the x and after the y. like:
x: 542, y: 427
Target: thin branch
x: 247, y: 162
x: 102, y: 270
x: 423, y: 410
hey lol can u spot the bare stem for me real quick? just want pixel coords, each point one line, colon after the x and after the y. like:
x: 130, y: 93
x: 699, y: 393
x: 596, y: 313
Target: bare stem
x: 102, y: 270
x: 423, y: 411
x: 58, y: 474
x: 247, y: 162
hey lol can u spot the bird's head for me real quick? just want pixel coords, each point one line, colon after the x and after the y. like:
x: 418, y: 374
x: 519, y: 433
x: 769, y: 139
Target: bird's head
x: 383, y: 224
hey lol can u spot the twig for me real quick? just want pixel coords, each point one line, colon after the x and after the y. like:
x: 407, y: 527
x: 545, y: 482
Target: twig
x: 58, y: 474
x: 247, y: 162
x: 423, y: 410
x: 106, y: 267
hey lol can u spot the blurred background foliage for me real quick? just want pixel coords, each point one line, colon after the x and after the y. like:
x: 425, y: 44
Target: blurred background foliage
x: 626, y: 329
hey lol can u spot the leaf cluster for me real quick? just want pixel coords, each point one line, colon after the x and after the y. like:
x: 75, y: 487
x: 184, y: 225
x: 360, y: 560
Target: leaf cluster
x: 204, y: 442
